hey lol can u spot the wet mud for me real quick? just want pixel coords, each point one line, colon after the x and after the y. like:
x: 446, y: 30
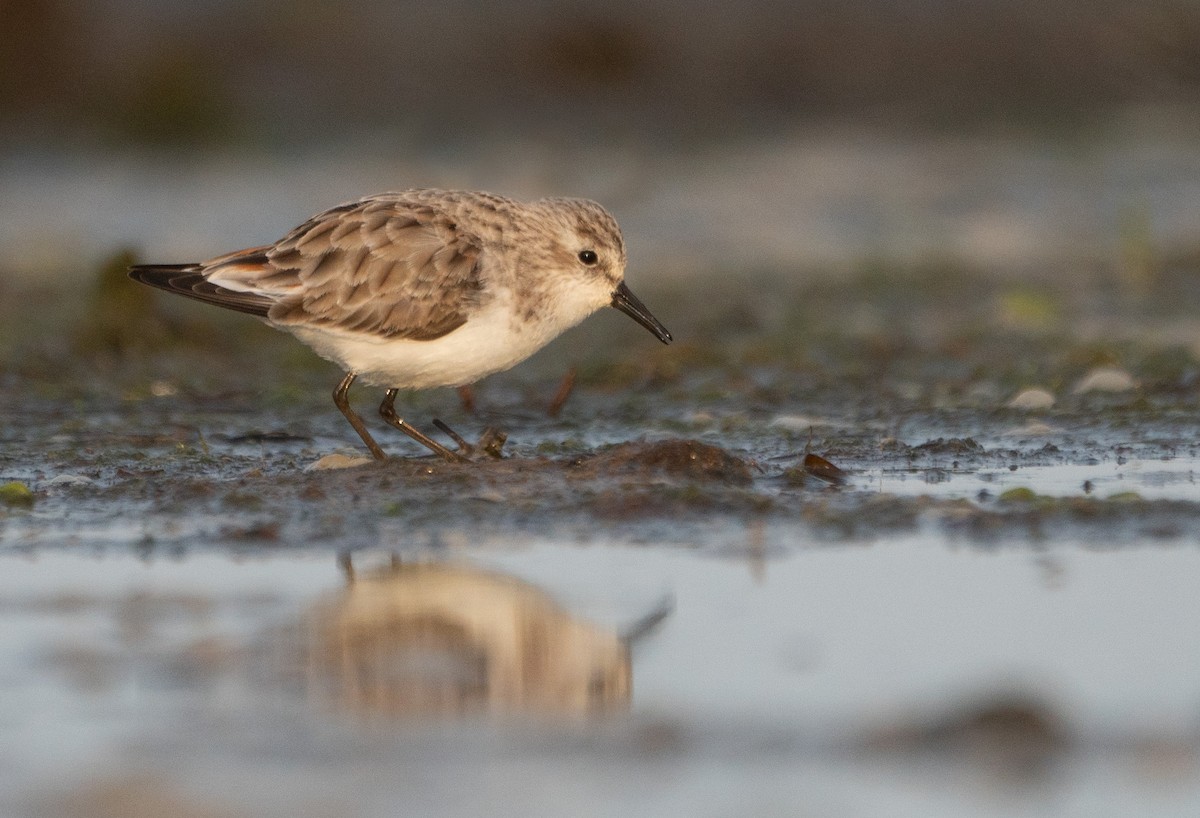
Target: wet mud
x: 850, y: 411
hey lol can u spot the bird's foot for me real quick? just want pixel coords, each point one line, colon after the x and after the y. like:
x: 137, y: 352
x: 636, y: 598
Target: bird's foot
x: 491, y: 442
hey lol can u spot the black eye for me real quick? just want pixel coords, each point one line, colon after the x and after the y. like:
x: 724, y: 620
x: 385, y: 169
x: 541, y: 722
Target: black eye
x: 588, y: 257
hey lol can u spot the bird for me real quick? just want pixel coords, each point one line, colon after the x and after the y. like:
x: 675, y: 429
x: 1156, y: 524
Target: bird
x: 423, y: 288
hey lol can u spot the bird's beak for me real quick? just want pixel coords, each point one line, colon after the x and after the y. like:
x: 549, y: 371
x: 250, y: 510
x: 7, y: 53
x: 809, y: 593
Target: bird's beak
x: 625, y: 301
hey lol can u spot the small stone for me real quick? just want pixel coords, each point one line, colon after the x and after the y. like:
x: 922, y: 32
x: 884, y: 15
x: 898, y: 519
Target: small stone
x: 70, y: 480
x: 1030, y: 399
x: 1105, y: 379
x: 16, y: 494
x: 1018, y: 494
x: 338, y: 461
x: 795, y: 423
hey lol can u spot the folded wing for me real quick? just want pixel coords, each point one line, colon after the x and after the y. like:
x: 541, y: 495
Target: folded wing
x: 385, y: 265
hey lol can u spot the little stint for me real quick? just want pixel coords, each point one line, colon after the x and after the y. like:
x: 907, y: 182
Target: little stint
x: 423, y: 288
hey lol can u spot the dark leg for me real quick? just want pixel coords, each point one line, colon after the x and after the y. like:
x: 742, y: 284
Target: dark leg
x: 463, y: 446
x: 345, y: 561
x: 467, y: 395
x: 343, y: 403
x: 564, y: 392
x: 387, y: 411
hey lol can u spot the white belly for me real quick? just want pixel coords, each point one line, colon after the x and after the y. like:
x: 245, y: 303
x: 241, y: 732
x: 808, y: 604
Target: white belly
x: 489, y: 342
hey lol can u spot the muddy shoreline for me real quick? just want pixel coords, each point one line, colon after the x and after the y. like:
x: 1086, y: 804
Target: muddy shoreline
x: 1035, y: 411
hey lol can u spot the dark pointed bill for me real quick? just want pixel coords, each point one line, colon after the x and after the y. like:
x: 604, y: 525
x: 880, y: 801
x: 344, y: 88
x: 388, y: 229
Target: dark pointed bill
x: 628, y: 303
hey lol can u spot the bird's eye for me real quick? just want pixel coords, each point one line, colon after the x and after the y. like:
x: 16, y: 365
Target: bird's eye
x: 588, y: 257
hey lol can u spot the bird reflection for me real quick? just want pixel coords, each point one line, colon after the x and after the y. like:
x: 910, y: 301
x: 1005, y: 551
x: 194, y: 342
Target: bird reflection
x: 430, y: 639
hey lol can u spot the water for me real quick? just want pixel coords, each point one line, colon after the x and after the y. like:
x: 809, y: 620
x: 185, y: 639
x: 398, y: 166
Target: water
x: 1173, y: 479
x: 807, y: 681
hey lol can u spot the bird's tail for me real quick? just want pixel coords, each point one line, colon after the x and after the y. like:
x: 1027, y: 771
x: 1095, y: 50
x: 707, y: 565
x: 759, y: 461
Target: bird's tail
x: 192, y: 281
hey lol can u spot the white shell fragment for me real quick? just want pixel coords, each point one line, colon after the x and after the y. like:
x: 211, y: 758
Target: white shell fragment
x: 1032, y: 399
x: 1105, y: 379
x: 338, y: 461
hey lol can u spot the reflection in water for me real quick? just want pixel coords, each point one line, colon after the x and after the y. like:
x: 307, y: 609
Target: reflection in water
x: 436, y: 639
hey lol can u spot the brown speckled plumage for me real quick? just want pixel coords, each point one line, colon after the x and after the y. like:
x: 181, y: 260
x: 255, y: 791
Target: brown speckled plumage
x: 424, y: 288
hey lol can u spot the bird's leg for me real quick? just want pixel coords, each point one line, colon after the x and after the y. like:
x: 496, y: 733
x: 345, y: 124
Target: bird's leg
x: 463, y: 446
x: 387, y: 411
x: 343, y: 404
x: 564, y: 392
x: 491, y: 442
x: 345, y: 561
x: 466, y: 396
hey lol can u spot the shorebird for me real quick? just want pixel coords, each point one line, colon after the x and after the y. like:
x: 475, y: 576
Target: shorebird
x: 423, y: 288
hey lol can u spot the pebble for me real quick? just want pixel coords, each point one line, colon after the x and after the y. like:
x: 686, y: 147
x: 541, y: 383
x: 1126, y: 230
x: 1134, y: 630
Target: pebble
x: 1032, y: 399
x: 338, y: 461
x: 796, y: 423
x: 1105, y: 379
x: 70, y: 480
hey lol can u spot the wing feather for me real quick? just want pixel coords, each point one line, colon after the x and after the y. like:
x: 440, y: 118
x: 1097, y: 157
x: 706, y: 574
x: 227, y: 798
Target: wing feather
x: 389, y: 266
x: 392, y: 265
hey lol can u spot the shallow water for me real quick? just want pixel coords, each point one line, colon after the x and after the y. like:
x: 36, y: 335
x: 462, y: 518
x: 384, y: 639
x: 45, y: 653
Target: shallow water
x: 904, y: 678
x: 1173, y: 479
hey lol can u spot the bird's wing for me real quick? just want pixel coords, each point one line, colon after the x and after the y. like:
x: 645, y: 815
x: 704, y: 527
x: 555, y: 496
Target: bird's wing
x: 385, y: 265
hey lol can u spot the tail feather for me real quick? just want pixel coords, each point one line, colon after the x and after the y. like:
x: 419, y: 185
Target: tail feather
x: 190, y: 281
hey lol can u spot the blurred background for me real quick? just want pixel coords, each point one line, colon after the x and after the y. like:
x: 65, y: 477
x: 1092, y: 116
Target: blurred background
x: 777, y: 135
x: 273, y: 75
